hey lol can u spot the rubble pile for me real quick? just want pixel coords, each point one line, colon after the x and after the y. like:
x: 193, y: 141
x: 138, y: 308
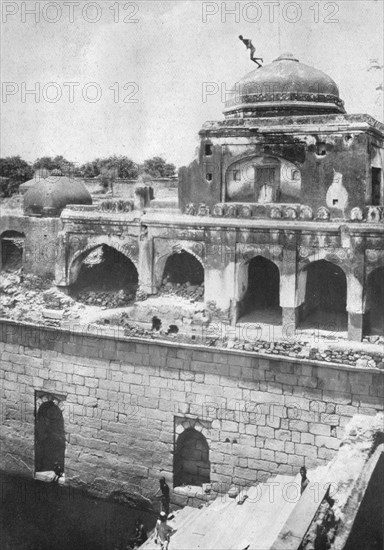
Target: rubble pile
x: 304, y: 351
x: 194, y: 293
x: 106, y: 300
x: 29, y: 298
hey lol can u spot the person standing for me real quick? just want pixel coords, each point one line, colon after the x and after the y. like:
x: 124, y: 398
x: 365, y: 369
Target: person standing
x: 165, y: 498
x: 304, y: 479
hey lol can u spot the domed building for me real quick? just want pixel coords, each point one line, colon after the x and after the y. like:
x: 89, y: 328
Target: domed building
x: 285, y: 86
x: 294, y: 189
x: 49, y: 196
x: 280, y: 221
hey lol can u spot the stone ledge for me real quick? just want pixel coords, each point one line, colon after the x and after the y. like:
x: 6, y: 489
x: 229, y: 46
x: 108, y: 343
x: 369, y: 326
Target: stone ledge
x: 29, y: 327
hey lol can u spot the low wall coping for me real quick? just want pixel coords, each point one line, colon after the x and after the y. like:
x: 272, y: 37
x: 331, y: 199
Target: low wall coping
x: 196, y: 347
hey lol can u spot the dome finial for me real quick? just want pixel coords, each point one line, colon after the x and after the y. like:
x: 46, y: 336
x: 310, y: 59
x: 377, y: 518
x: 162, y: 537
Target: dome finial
x: 287, y: 56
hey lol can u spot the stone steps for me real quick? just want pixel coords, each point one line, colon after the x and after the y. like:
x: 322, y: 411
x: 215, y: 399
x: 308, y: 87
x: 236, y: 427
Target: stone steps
x: 260, y: 523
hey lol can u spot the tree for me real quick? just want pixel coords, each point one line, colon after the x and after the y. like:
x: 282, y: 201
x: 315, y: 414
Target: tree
x: 55, y: 163
x: 157, y: 167
x: 90, y: 169
x: 111, y: 167
x: 15, y: 171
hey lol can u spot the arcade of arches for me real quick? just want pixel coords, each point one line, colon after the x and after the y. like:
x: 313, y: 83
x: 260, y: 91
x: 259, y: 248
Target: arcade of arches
x: 324, y: 295
x: 191, y: 459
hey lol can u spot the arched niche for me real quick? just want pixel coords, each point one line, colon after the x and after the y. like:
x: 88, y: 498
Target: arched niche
x: 374, y: 303
x: 325, y: 301
x: 181, y: 267
x: 49, y: 435
x: 12, y: 250
x: 260, y: 300
x: 264, y: 180
x: 191, y: 458
x: 103, y: 267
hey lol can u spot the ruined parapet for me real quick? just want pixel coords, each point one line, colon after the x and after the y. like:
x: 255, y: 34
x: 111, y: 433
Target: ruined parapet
x: 350, y: 475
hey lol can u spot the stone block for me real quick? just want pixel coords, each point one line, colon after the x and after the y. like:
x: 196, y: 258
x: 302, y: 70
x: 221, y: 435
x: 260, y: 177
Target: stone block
x: 265, y: 431
x: 306, y: 450
x: 281, y: 457
x: 307, y: 439
x: 283, y: 435
x: 266, y: 454
x: 289, y: 447
x: 295, y: 461
x: 289, y: 379
x: 274, y: 445
x: 296, y: 402
x: 228, y: 426
x: 346, y: 410
x: 328, y: 442
x: 320, y: 429
x: 326, y: 454
x: 79, y: 380
x: 298, y: 426
x: 82, y: 390
x: 296, y: 437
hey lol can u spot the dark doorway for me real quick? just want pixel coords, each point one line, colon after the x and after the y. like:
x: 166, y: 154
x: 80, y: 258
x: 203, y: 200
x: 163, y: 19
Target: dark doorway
x: 107, y: 269
x: 374, y: 317
x: 12, y: 246
x: 183, y: 267
x: 191, y: 461
x: 376, y: 186
x: 49, y: 437
x: 325, y: 297
x: 261, y: 301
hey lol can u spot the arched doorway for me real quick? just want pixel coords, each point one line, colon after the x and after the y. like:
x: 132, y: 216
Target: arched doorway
x: 182, y: 267
x: 325, y: 297
x: 262, y: 298
x: 12, y: 249
x: 374, y: 316
x: 105, y: 269
x: 191, y: 459
x: 49, y: 437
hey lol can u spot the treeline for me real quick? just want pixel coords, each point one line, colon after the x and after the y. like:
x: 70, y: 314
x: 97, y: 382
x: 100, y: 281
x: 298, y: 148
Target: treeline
x: 14, y: 170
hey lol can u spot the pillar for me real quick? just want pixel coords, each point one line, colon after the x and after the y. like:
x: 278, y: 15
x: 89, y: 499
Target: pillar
x: 291, y: 289
x: 146, y: 261
x: 355, y: 307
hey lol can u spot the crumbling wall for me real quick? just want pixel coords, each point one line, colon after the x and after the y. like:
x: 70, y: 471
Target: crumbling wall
x: 41, y: 242
x: 121, y: 398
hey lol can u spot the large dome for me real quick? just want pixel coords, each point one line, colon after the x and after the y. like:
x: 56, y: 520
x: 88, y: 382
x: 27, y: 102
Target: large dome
x: 284, y: 87
x: 48, y: 197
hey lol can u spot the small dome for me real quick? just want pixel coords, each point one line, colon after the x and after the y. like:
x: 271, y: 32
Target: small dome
x: 48, y: 197
x: 284, y: 87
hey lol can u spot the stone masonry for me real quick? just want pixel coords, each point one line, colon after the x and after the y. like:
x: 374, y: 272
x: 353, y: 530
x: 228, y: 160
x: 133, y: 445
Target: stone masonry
x: 122, y: 400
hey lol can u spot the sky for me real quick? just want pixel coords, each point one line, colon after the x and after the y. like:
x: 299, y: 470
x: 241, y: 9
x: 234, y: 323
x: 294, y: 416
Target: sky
x: 140, y: 78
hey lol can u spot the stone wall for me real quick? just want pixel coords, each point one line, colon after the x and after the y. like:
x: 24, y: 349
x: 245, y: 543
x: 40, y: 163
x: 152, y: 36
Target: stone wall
x: 124, y: 403
x: 40, y: 247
